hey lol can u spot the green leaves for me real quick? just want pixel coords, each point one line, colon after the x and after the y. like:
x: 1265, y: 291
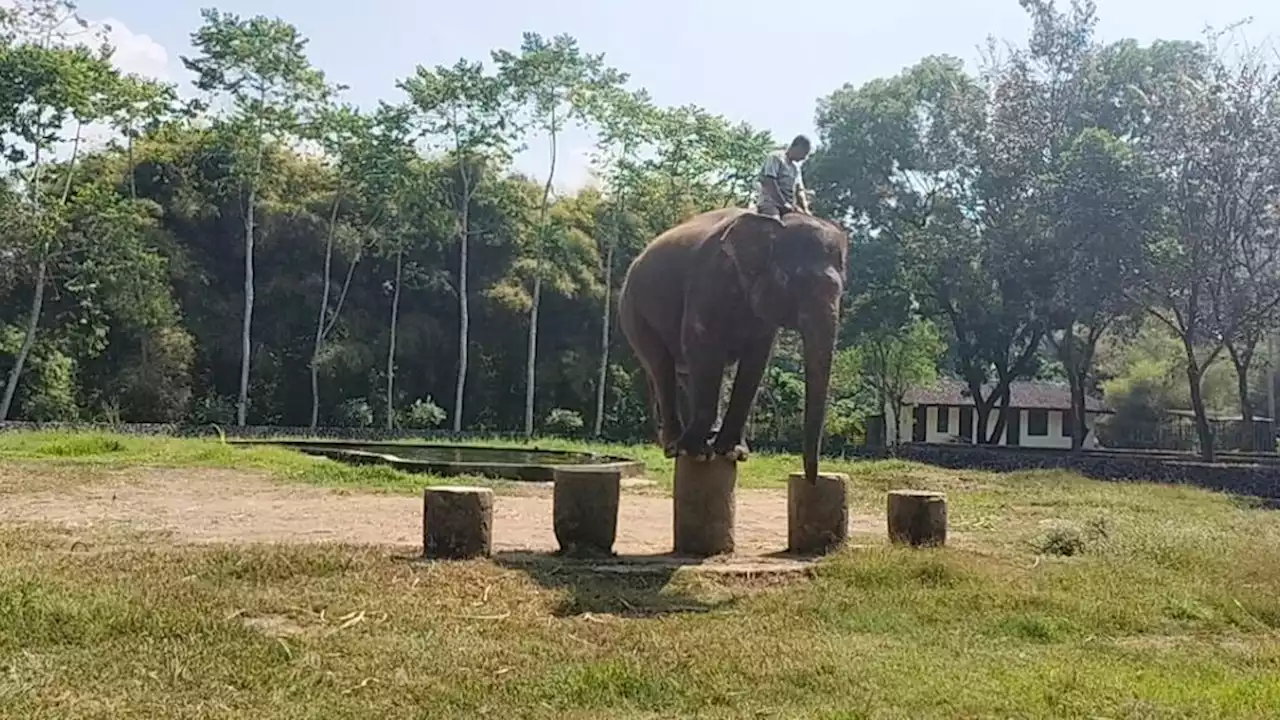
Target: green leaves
x: 461, y: 109
x: 554, y: 82
x: 258, y: 77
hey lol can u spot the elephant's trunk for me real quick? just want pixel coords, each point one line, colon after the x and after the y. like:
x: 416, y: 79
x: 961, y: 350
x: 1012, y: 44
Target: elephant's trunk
x: 818, y: 331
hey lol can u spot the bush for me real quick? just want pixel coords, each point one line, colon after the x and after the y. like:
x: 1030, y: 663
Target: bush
x: 53, y: 397
x: 1061, y: 539
x: 423, y: 414
x: 213, y: 408
x: 846, y: 422
x: 355, y: 412
x: 563, y: 422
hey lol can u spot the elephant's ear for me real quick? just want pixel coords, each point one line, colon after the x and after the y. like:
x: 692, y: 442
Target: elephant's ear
x: 749, y: 239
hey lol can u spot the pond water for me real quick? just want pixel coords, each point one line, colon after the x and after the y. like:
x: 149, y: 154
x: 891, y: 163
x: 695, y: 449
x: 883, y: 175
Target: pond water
x: 511, y: 463
x: 478, y: 455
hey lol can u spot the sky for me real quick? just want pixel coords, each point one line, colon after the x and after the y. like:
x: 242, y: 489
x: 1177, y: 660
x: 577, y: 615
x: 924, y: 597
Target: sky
x: 728, y: 56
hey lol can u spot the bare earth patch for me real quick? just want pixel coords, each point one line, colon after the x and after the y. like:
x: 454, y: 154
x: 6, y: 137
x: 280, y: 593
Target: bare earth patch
x: 224, y: 506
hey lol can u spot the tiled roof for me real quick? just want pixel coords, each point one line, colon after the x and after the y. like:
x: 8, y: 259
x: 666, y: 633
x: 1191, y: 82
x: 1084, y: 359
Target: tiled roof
x: 1023, y: 394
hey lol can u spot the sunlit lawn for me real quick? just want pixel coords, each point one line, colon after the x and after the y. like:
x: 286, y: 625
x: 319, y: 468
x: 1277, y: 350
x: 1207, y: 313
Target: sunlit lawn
x: 1061, y: 597
x: 108, y: 450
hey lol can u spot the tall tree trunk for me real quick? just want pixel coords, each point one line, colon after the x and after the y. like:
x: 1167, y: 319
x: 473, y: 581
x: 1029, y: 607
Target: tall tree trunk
x: 33, y: 321
x: 1002, y: 418
x: 133, y: 170
x: 1271, y: 392
x: 1078, y: 426
x: 391, y: 344
x: 242, y: 401
x: 603, y: 374
x: 42, y: 272
x: 464, y: 311
x: 1067, y: 354
x: 530, y: 374
x: 1195, y: 375
x: 1242, y: 359
x: 982, y: 412
x: 324, y: 310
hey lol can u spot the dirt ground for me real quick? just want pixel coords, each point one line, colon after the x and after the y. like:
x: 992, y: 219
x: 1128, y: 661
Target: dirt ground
x: 221, y: 506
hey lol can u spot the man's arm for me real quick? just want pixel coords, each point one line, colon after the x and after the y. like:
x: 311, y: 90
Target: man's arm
x: 802, y: 195
x: 775, y: 192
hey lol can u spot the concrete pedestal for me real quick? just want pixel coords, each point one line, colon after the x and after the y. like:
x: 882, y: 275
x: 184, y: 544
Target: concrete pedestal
x: 917, y: 517
x: 585, y: 510
x: 457, y: 522
x: 704, y: 506
x: 817, y: 513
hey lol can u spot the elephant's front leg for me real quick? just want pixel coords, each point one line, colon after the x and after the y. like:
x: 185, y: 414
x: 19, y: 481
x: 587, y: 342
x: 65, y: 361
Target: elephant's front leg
x: 705, y: 377
x: 729, y: 442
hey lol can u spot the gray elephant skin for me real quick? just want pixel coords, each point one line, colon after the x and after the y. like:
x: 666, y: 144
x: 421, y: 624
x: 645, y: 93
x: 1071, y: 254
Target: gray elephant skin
x: 715, y: 290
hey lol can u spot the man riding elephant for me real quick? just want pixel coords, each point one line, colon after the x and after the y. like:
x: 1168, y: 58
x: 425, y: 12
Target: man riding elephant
x: 781, y: 189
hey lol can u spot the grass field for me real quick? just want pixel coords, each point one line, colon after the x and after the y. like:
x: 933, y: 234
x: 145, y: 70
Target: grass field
x: 1062, y: 597
x: 86, y: 452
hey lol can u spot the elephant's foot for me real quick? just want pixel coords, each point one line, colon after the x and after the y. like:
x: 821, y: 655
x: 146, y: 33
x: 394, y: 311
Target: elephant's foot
x: 730, y: 447
x: 736, y: 452
x: 694, y: 447
x: 669, y: 442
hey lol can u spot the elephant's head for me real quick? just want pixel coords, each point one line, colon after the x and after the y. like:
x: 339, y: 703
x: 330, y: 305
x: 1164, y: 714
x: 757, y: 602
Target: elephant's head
x: 792, y: 272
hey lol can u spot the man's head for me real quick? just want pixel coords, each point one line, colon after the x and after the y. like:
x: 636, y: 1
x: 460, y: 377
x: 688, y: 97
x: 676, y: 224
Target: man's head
x: 798, y: 149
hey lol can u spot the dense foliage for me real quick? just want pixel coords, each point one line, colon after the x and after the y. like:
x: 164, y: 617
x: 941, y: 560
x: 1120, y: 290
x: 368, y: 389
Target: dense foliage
x: 257, y: 250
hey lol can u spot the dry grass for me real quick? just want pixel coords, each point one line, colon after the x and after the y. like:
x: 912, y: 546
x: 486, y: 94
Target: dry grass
x: 1067, y: 598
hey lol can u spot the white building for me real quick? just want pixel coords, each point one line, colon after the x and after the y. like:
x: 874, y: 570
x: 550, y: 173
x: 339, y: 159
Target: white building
x: 944, y: 413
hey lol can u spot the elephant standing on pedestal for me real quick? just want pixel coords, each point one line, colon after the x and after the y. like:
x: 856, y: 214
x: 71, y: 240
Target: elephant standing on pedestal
x: 715, y: 290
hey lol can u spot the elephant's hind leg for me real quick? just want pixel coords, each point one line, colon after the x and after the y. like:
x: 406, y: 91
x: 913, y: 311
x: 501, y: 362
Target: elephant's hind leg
x: 660, y: 370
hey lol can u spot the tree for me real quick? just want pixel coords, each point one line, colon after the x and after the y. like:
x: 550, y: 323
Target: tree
x: 1211, y: 277
x: 464, y: 110
x: 1102, y: 208
x: 341, y: 131
x: 371, y: 157
x: 47, y: 85
x: 557, y: 84
x: 137, y: 105
x: 625, y: 120
x: 701, y: 161
x: 260, y: 67
x: 1248, y: 187
x: 927, y: 164
x: 894, y: 360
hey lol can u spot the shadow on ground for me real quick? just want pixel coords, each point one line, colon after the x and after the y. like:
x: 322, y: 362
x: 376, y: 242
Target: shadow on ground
x: 643, y: 585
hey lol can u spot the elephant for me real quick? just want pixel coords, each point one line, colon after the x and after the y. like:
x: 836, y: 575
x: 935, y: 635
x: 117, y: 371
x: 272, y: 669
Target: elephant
x: 714, y: 291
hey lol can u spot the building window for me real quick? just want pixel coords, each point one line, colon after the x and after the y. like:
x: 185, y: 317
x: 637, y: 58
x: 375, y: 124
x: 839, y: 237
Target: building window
x: 944, y: 419
x: 1068, y: 419
x: 1037, y: 423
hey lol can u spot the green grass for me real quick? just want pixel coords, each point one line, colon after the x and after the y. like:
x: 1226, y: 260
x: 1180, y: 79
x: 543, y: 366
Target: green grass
x: 1058, y: 597
x: 92, y: 453
x: 108, y: 450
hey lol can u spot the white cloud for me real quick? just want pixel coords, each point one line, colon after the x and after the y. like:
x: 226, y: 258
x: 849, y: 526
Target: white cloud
x: 136, y: 53
x: 574, y: 172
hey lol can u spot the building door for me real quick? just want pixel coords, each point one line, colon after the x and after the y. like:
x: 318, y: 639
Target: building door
x: 920, y: 424
x: 966, y: 424
x: 1013, y: 431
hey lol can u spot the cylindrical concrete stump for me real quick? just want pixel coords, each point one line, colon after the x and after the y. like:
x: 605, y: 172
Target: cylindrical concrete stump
x: 585, y: 509
x: 457, y: 522
x: 917, y: 517
x: 704, y: 506
x: 817, y: 513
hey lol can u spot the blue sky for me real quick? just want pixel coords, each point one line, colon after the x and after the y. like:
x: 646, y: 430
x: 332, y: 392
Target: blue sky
x: 682, y: 51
